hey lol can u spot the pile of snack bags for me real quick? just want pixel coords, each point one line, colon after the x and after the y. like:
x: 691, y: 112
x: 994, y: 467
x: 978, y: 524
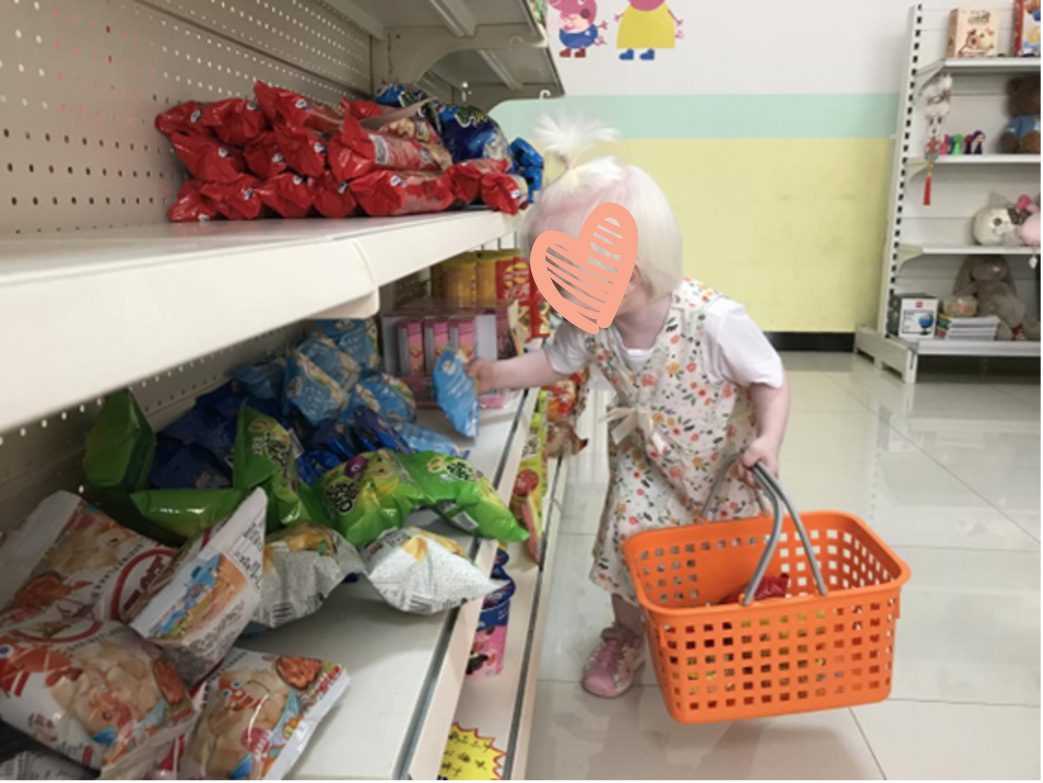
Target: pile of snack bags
x: 283, y: 155
x: 122, y: 618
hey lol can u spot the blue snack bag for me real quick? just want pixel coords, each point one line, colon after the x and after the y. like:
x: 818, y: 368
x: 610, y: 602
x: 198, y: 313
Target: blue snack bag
x: 372, y: 432
x: 417, y: 438
x: 333, y: 436
x: 455, y: 392
x: 311, y: 391
x: 263, y: 380
x: 330, y: 359
x: 357, y: 337
x: 400, y: 96
x: 386, y: 395
x: 470, y: 133
x: 187, y: 466
x: 206, y: 428
x: 225, y: 400
x: 312, y: 465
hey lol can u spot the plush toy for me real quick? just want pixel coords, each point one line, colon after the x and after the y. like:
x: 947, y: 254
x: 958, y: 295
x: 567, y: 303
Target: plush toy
x: 1028, y: 220
x: 1022, y: 132
x: 994, y: 225
x: 988, y: 279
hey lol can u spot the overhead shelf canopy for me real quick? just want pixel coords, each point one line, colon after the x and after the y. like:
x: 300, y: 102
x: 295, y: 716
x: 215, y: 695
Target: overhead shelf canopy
x: 486, y: 50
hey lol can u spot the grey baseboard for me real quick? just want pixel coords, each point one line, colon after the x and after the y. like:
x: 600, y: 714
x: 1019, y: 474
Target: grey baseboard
x: 812, y: 341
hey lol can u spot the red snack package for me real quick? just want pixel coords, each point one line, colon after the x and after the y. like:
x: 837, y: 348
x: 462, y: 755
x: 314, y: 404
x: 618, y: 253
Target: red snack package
x: 466, y: 176
x: 362, y: 109
x: 287, y: 194
x: 770, y: 587
x: 263, y: 156
x: 237, y: 200
x: 208, y: 159
x: 303, y: 149
x: 504, y: 192
x: 356, y: 151
x: 382, y: 193
x: 333, y: 199
x: 191, y: 205
x: 184, y: 118
x: 289, y: 108
x: 397, y: 123
x: 234, y: 120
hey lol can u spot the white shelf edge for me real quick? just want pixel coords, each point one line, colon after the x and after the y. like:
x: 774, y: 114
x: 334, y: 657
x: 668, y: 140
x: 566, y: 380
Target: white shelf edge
x: 908, y: 251
x: 978, y: 348
x: 978, y: 65
x: 102, y: 309
x: 976, y: 160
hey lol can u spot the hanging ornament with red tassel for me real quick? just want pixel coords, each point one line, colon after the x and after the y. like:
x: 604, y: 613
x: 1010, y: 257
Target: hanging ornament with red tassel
x: 937, y: 95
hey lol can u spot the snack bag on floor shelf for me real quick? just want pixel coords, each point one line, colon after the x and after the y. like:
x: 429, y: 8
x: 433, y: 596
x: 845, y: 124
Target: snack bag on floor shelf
x: 371, y: 432
x: 191, y: 206
x: 420, y: 572
x: 507, y: 193
x: 303, y: 149
x: 455, y: 392
x: 333, y: 199
x: 187, y: 512
x: 290, y: 109
x: 470, y: 133
x: 334, y: 362
x: 94, y: 691
x: 466, y: 177
x: 355, y: 151
x: 208, y: 159
x: 234, y: 121
x: 367, y: 495
x: 265, y: 456
x: 388, y: 193
x: 562, y: 439
x: 386, y: 395
x: 187, y: 466
x: 289, y: 195
x: 263, y: 380
x: 263, y: 156
x: 185, y: 118
x: 237, y: 199
x: 417, y: 438
x: 316, y: 395
x: 206, y: 598
x: 258, y: 713
x: 531, y: 483
x: 357, y: 337
x: 302, y: 566
x: 120, y: 447
x: 462, y: 495
x: 68, y: 559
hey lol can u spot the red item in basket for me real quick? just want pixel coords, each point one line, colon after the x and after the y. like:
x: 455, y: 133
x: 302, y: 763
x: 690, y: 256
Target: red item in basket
x: 237, y: 200
x: 235, y: 120
x: 191, y: 205
x: 208, y: 159
x: 289, y: 195
x: 466, y: 176
x: 184, y: 118
x: 303, y: 149
x: 263, y: 156
x: 504, y: 192
x: 356, y: 151
x: 287, y: 107
x: 770, y: 587
x: 382, y: 193
x: 333, y: 199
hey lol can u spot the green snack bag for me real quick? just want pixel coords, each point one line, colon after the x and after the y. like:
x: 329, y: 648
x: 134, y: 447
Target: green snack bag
x: 395, y: 488
x: 187, y: 512
x: 351, y: 503
x: 462, y: 495
x: 120, y: 447
x: 265, y: 457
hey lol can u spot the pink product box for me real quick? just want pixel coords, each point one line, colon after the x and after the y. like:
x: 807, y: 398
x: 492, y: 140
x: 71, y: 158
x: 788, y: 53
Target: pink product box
x: 410, y: 347
x: 436, y: 340
x: 462, y: 335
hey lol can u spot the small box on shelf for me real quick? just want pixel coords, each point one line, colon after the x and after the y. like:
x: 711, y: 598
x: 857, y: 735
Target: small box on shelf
x: 912, y: 316
x: 973, y: 32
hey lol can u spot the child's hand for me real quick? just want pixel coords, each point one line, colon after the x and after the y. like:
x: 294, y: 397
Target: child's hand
x: 763, y: 450
x: 483, y: 373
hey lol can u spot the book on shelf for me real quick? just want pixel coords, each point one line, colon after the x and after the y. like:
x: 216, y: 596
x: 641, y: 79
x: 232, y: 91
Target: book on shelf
x: 982, y: 327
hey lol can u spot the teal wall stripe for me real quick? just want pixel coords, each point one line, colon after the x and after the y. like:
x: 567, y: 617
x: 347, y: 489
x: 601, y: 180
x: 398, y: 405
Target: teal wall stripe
x: 854, y: 116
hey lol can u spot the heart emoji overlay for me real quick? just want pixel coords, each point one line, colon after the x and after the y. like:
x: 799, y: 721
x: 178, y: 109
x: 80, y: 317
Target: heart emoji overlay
x: 584, y: 278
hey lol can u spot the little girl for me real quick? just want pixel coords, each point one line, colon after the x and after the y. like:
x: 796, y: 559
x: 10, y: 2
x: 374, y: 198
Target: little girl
x: 696, y: 382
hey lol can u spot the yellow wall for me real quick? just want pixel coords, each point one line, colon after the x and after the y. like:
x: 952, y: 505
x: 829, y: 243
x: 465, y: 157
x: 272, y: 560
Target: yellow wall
x: 792, y: 228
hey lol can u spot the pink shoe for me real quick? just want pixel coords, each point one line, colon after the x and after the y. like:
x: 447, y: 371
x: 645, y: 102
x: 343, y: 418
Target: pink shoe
x: 612, y: 667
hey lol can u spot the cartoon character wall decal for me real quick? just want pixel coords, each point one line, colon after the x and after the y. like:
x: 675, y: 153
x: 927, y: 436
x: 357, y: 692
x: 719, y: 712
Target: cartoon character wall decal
x: 648, y: 25
x: 579, y: 27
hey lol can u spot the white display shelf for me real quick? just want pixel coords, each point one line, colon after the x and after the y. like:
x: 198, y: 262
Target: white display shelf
x: 908, y: 251
x: 979, y: 66
x: 500, y: 708
x: 982, y: 348
x: 406, y: 670
x: 973, y: 161
x: 90, y: 311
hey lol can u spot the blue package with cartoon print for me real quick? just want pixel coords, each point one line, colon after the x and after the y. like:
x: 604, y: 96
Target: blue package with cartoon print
x: 372, y: 432
x: 207, y: 428
x: 315, y: 395
x: 187, y: 466
x: 330, y: 359
x: 384, y: 394
x: 312, y: 465
x: 455, y: 392
x: 263, y: 380
x: 469, y: 133
x: 417, y: 438
x: 357, y: 337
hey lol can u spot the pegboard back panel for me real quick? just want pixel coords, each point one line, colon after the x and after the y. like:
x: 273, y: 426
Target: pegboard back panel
x: 45, y: 456
x: 81, y: 82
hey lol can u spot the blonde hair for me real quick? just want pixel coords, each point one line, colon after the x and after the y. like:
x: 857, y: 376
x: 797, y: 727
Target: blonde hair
x: 567, y: 201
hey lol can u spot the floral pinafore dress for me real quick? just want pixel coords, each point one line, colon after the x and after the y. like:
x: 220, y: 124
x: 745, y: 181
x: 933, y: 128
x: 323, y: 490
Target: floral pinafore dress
x: 671, y: 426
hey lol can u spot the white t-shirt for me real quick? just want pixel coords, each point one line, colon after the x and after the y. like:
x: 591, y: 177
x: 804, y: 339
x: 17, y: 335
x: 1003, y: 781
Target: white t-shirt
x: 734, y: 348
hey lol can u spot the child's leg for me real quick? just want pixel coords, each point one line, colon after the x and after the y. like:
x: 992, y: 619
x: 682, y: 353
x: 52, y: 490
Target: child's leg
x: 628, y: 615
x: 613, y: 665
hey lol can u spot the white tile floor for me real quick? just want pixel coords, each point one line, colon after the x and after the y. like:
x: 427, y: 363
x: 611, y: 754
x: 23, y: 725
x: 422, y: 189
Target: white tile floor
x: 948, y: 471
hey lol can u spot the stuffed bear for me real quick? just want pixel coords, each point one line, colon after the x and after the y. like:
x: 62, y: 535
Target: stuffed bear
x: 988, y: 279
x: 1022, y: 132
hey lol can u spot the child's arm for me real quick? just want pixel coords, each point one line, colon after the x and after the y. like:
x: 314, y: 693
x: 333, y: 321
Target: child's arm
x: 771, y: 406
x: 531, y: 370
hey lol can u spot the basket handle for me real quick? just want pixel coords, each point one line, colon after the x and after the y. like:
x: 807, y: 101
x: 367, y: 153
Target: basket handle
x: 778, y: 497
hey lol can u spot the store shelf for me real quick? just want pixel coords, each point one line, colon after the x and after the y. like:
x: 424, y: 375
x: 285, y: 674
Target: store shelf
x: 982, y: 348
x: 500, y: 708
x: 406, y: 670
x: 909, y: 251
x: 979, y: 66
x: 487, y: 50
x: 915, y: 165
x: 94, y: 310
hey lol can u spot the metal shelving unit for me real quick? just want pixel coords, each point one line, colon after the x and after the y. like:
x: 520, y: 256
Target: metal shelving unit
x: 99, y: 292
x: 925, y: 245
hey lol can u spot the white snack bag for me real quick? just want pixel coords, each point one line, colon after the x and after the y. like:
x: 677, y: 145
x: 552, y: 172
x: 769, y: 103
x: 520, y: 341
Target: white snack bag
x: 41, y: 765
x: 257, y: 714
x: 198, y: 609
x: 422, y: 572
x: 68, y: 558
x: 302, y: 565
x: 93, y: 691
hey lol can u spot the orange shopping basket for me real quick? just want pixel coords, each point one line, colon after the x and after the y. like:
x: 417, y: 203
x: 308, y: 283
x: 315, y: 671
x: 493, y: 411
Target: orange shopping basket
x: 829, y: 643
